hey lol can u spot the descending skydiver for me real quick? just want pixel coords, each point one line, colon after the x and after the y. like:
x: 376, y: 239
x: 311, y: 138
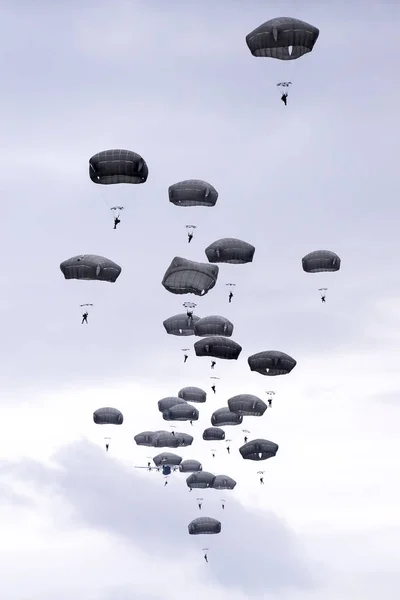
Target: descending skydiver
x: 117, y: 220
x: 107, y: 446
x: 223, y: 504
x: 213, y: 363
x: 230, y: 296
x: 284, y: 98
x: 149, y: 465
x: 190, y: 236
x: 200, y: 505
x: 84, y: 317
x: 166, y: 482
x: 213, y: 389
x: 189, y: 317
x: 185, y: 357
x: 262, y: 480
x: 213, y: 454
x: 191, y: 422
x: 323, y: 298
x: 269, y: 401
x: 228, y: 448
x: 206, y: 558
x: 245, y: 439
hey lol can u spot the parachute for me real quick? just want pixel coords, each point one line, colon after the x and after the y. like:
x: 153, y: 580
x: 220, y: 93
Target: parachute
x: 223, y: 417
x: 188, y: 277
x: 200, y: 480
x: 218, y: 347
x: 283, y: 38
x: 230, y: 250
x: 181, y: 325
x: 213, y: 325
x: 247, y: 405
x: 108, y: 416
x: 192, y: 394
x: 223, y: 482
x: 181, y: 412
x: 271, y: 362
x: 167, y: 403
x: 190, y: 466
x: 320, y: 261
x: 213, y: 434
x: 204, y: 525
x: 192, y: 192
x: 258, y: 450
x: 118, y: 166
x: 90, y: 267
x: 167, y: 459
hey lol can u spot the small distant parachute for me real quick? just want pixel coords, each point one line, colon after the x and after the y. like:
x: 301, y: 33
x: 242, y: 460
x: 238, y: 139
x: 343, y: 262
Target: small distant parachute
x: 204, y: 525
x: 230, y: 250
x: 284, y: 84
x: 117, y: 208
x: 192, y: 394
x: 213, y: 325
x: 218, y: 347
x: 192, y: 192
x: 90, y: 267
x: 271, y: 362
x: 259, y: 450
x: 118, y: 166
x: 181, y: 325
x: 188, y: 277
x: 321, y: 261
x: 282, y: 38
x: 224, y: 417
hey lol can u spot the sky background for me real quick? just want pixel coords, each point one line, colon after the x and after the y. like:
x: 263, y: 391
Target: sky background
x: 176, y: 83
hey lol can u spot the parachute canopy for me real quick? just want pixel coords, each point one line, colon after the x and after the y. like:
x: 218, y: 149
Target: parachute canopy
x: 218, y: 347
x: 192, y: 192
x: 192, y: 394
x: 213, y: 434
x: 283, y: 38
x: 145, y: 438
x: 204, y: 525
x: 181, y: 324
x: 258, y: 450
x: 188, y: 277
x: 108, y: 416
x: 200, y: 480
x: 91, y: 268
x: 181, y: 412
x: 320, y: 261
x: 190, y: 466
x: 169, y: 402
x: 168, y: 459
x: 247, y: 405
x: 271, y: 362
x: 223, y: 482
x: 117, y: 166
x: 213, y: 325
x: 230, y: 250
x: 223, y: 416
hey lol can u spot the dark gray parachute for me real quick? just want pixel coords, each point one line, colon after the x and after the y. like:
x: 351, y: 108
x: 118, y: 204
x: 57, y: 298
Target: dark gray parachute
x: 283, y: 38
x: 108, y: 416
x: 213, y: 434
x: 200, y: 480
x: 230, y: 250
x: 90, y: 267
x: 167, y: 459
x: 167, y: 439
x: 188, y: 277
x: 192, y: 394
x: 223, y: 417
x: 167, y: 403
x: 145, y: 438
x: 181, y: 412
x: 247, y: 405
x: 218, y: 347
x: 192, y: 192
x: 190, y: 466
x: 181, y: 324
x: 223, y: 482
x: 118, y: 166
x: 271, y: 362
x: 213, y: 325
x: 258, y: 450
x: 320, y: 261
x: 204, y: 525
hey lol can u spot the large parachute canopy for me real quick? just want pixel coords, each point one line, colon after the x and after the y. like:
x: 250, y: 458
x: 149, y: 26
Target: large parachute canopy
x: 167, y: 403
x: 320, y: 261
x: 192, y: 192
x: 284, y: 38
x: 258, y: 450
x: 167, y: 439
x: 145, y: 438
x: 167, y: 459
x: 223, y: 482
x: 213, y: 434
x: 181, y: 412
x: 223, y: 416
x: 185, y: 276
x: 181, y: 324
x: 213, y: 325
x: 230, y: 250
x: 204, y: 525
x: 90, y: 267
x: 192, y: 394
x: 117, y: 166
x: 108, y: 416
x: 271, y: 362
x: 190, y: 466
x: 200, y: 480
x: 247, y: 405
x: 218, y: 347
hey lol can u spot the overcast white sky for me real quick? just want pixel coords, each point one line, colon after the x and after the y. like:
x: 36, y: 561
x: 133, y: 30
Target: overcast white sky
x: 175, y: 82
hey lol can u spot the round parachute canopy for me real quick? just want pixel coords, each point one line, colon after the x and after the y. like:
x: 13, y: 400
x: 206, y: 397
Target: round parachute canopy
x: 223, y: 482
x: 181, y: 324
x: 258, y: 450
x: 188, y: 277
x: 283, y: 38
x: 320, y: 261
x: 181, y: 412
x: 167, y: 439
x: 145, y: 438
x: 190, y: 466
x: 218, y: 347
x: 90, y: 267
x: 108, y: 416
x: 167, y: 459
x: 213, y: 434
x: 200, y: 480
x: 167, y: 403
x: 247, y: 405
x: 213, y: 325
x: 230, y: 250
x: 204, y: 525
x: 192, y: 394
x: 223, y: 416
x: 271, y: 362
x: 192, y: 192
x: 118, y: 166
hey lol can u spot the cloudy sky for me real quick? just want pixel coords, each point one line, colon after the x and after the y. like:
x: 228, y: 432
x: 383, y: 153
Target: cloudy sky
x: 176, y: 83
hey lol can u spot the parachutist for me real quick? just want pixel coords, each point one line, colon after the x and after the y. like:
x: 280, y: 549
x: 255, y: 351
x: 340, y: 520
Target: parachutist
x: 165, y: 483
x: 149, y: 465
x: 185, y: 357
x: 117, y: 220
x: 213, y: 455
x: 107, y: 447
x: 84, y: 317
x: 190, y: 237
x: 213, y: 363
x: 228, y: 449
x: 223, y: 506
x: 262, y: 480
x: 199, y: 505
x: 323, y: 299
x: 213, y: 389
x: 206, y: 558
x: 191, y: 422
x: 284, y: 98
x: 245, y: 439
x: 230, y: 296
